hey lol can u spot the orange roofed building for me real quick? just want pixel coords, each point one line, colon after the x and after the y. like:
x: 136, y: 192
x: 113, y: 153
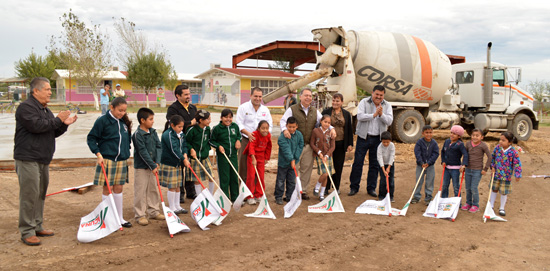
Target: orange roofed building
x: 231, y: 87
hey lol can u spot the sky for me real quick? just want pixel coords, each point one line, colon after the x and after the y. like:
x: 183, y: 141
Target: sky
x: 198, y: 33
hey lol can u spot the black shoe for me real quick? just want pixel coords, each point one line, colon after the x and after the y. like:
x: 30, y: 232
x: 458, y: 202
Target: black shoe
x: 127, y: 225
x: 327, y: 192
x: 372, y: 193
x: 191, y: 196
x: 305, y: 196
x: 182, y: 199
x: 352, y: 192
x: 502, y: 212
x: 279, y: 201
x: 285, y: 199
x: 180, y: 211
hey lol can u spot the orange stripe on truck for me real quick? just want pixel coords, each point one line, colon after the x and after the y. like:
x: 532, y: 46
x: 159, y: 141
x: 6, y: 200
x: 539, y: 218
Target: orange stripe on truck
x: 519, y: 91
x: 425, y: 62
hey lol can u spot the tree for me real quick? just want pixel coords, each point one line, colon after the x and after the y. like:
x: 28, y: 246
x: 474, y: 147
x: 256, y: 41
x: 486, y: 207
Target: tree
x: 539, y: 89
x: 171, y: 81
x: 132, y: 43
x: 148, y: 71
x: 281, y: 64
x: 38, y: 66
x: 147, y: 67
x: 86, y: 52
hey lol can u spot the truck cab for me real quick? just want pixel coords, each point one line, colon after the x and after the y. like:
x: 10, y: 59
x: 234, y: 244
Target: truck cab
x: 501, y: 106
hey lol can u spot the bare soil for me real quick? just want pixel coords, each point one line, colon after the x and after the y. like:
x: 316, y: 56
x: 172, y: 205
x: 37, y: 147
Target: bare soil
x: 344, y: 241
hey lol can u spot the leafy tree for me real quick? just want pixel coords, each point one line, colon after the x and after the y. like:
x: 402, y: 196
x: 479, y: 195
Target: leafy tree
x: 281, y: 64
x: 86, y: 52
x: 539, y: 89
x: 171, y: 81
x: 148, y: 71
x: 38, y: 66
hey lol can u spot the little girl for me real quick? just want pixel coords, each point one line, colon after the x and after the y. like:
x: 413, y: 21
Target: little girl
x: 109, y: 140
x: 323, y: 146
x: 226, y: 138
x: 504, y: 163
x: 451, y: 153
x: 476, y: 148
x: 258, y: 151
x: 198, y: 137
x: 174, y: 152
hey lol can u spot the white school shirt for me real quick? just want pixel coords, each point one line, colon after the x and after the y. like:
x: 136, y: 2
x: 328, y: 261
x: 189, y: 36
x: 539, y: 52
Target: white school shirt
x: 248, y: 118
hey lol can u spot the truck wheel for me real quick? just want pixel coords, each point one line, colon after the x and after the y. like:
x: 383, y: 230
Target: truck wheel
x: 407, y: 126
x: 522, y: 127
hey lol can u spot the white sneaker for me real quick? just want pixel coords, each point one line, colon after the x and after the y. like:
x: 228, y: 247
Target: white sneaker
x: 251, y: 201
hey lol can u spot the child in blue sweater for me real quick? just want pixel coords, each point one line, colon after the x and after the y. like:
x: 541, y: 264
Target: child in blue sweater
x: 452, y: 152
x: 426, y: 152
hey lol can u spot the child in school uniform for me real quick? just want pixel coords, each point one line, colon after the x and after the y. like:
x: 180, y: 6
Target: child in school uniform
x: 385, y: 155
x: 258, y: 152
x: 146, y: 159
x: 323, y: 146
x: 504, y: 163
x: 476, y: 148
x: 226, y: 139
x: 452, y: 152
x: 109, y: 140
x: 426, y: 152
x: 198, y: 138
x: 174, y: 153
x: 290, y: 150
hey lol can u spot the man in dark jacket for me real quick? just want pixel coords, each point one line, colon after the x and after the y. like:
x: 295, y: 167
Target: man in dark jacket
x: 183, y: 107
x: 35, y: 131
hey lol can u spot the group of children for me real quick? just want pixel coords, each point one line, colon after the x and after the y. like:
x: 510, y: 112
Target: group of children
x: 111, y: 135
x: 467, y: 158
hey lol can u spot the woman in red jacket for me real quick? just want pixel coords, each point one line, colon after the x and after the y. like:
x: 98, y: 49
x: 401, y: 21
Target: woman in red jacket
x: 258, y: 151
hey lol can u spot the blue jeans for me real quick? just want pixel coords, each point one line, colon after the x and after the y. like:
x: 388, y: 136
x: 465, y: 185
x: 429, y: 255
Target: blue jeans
x: 450, y: 174
x: 429, y: 175
x: 363, y: 145
x: 285, y: 176
x: 473, y: 176
x: 104, y: 108
x: 382, y: 189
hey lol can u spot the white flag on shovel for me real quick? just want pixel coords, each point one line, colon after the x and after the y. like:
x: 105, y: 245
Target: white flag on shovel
x: 225, y: 205
x: 174, y: 223
x: 295, y: 199
x: 331, y: 204
x: 447, y: 208
x: 490, y: 214
x: 403, y: 212
x: 204, y: 209
x: 431, y: 211
x: 244, y: 192
x: 263, y: 210
x: 102, y: 221
x: 376, y: 207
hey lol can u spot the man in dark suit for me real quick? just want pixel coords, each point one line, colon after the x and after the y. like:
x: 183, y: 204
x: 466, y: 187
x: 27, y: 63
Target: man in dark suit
x: 183, y: 107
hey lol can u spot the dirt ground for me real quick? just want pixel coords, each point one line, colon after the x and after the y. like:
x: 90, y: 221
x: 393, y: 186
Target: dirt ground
x: 345, y: 241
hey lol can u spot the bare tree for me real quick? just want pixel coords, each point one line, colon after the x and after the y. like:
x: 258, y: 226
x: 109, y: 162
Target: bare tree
x: 86, y: 51
x: 539, y: 89
x: 132, y: 43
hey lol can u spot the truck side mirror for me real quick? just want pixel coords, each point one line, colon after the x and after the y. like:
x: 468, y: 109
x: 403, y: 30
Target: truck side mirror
x: 519, y: 76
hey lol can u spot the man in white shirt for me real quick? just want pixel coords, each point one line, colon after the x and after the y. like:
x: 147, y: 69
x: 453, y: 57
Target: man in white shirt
x: 374, y: 115
x: 307, y: 121
x: 249, y: 114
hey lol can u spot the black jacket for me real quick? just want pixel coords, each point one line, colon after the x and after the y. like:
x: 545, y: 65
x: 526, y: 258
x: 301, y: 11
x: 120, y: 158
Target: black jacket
x: 348, y: 127
x: 177, y: 109
x: 35, y: 131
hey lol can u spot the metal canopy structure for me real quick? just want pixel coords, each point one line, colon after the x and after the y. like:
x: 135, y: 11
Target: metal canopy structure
x: 295, y: 52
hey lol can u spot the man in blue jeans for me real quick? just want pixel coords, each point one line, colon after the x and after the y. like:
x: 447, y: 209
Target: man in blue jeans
x: 374, y: 115
x: 104, y: 99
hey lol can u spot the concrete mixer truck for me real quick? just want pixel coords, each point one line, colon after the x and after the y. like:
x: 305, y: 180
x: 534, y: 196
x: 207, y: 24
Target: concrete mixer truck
x: 421, y: 84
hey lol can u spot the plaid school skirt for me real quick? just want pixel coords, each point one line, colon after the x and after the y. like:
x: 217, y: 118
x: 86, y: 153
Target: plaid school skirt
x: 117, y: 172
x: 199, y: 171
x: 505, y: 187
x: 170, y: 176
x: 321, y: 168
